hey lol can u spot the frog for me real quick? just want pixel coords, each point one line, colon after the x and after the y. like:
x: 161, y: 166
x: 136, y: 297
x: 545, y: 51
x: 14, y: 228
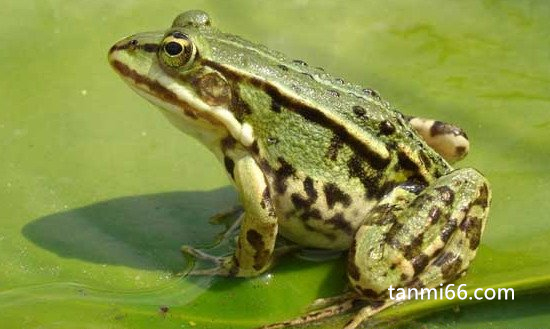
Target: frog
x: 317, y: 161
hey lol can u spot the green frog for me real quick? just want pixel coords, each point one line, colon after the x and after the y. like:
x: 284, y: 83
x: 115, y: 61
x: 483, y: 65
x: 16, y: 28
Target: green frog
x: 319, y: 161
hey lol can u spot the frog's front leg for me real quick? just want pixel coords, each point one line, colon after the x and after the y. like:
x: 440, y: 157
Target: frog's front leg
x: 256, y: 241
x: 428, y: 242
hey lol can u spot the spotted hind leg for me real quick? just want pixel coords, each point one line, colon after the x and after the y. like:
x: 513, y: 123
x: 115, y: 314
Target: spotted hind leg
x: 426, y: 241
x: 446, y: 139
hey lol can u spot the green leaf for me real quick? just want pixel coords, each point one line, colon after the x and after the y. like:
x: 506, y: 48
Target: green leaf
x: 98, y: 192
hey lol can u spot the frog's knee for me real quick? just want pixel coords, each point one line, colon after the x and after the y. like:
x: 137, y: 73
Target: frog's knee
x: 446, y: 139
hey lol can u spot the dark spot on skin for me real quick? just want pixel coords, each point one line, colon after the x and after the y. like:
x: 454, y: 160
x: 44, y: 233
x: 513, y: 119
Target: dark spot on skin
x: 386, y: 128
x: 282, y: 174
x: 282, y: 67
x: 340, y: 222
x: 266, y: 167
x: 261, y: 255
x: 302, y: 203
x: 442, y: 128
x: 355, y: 168
x: 299, y: 202
x: 275, y: 107
x: 446, y: 194
x: 406, y: 162
x: 420, y: 262
x: 460, y: 150
x: 335, y: 145
x: 334, y: 195
x: 254, y: 148
x: 403, y: 277
x: 255, y: 239
x: 229, y: 166
x: 308, y: 75
x: 434, y: 214
x: 228, y: 143
x: 299, y: 62
x: 448, y: 230
x: 437, y: 128
x: 333, y: 93
x: 310, y: 189
x: 472, y: 227
x: 238, y: 106
x: 483, y: 198
x: 311, y: 214
x: 359, y: 111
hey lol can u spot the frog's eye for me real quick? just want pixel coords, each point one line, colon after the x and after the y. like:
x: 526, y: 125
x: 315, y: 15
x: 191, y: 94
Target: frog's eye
x: 177, y: 50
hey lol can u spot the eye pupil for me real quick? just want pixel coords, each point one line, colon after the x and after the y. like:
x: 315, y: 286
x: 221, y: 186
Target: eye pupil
x: 173, y: 48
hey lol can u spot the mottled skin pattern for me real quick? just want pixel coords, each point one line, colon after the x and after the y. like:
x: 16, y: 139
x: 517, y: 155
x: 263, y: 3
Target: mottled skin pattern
x: 322, y: 162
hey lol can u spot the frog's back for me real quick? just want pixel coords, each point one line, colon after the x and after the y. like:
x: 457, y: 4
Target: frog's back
x: 321, y: 105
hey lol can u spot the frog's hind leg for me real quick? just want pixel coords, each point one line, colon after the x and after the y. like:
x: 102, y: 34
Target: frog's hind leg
x: 423, y: 243
x: 446, y: 139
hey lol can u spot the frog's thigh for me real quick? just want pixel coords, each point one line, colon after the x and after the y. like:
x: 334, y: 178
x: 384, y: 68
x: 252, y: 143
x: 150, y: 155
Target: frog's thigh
x: 430, y: 241
x: 259, y: 226
x: 446, y: 139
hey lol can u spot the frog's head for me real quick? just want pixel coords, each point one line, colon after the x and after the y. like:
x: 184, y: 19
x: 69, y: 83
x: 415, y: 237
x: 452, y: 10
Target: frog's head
x: 167, y: 68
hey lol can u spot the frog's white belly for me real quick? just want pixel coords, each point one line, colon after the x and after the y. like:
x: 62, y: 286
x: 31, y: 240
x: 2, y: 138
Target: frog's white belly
x: 309, y: 218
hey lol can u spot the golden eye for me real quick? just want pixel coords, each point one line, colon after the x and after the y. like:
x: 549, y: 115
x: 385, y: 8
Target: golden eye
x: 177, y: 50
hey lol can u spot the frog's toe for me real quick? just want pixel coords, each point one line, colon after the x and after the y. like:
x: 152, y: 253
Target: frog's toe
x: 198, y: 254
x: 328, y: 301
x: 214, y: 271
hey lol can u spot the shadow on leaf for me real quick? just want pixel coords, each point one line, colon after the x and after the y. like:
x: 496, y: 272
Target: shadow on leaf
x: 144, y: 231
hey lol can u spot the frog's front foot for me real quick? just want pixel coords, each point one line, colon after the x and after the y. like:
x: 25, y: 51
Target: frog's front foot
x: 222, y: 265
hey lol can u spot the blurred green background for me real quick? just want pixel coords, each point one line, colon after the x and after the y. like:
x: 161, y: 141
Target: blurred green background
x: 98, y: 191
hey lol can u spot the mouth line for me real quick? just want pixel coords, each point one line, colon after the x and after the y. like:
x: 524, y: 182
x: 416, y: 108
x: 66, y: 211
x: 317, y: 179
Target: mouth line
x: 155, y: 88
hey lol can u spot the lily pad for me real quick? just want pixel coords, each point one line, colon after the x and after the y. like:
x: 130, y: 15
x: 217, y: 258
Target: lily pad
x: 98, y: 192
